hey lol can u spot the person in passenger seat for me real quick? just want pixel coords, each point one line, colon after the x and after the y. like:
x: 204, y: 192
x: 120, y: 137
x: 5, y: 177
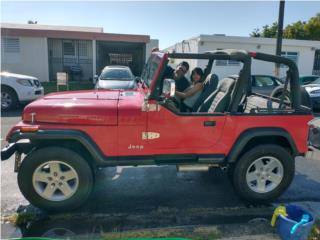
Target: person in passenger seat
x: 192, y: 93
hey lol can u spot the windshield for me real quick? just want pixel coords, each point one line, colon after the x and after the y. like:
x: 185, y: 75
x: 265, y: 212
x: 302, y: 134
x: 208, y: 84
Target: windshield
x: 116, y: 74
x: 317, y: 81
x: 150, y: 69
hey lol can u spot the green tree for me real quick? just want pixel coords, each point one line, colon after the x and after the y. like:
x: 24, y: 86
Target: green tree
x: 312, y: 28
x: 309, y: 30
x: 295, y: 31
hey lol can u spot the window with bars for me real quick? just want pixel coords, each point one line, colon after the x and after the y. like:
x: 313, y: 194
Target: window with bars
x: 120, y: 59
x: 227, y: 63
x: 69, y: 48
x: 290, y: 55
x: 11, y: 45
x: 83, y: 49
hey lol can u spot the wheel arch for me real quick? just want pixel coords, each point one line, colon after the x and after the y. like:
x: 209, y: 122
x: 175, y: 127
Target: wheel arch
x: 75, y: 140
x: 257, y: 136
x: 11, y: 88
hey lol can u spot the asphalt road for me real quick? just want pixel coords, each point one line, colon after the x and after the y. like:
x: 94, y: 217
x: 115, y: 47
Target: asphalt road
x: 157, y: 196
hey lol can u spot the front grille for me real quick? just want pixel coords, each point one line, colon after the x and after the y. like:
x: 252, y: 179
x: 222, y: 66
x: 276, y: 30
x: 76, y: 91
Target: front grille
x: 36, y: 83
x: 38, y: 92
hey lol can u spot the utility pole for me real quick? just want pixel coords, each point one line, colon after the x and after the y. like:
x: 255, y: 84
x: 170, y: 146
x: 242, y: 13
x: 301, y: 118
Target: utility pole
x: 279, y: 34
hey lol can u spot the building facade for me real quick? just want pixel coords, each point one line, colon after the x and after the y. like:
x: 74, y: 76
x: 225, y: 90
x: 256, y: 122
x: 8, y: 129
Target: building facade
x: 42, y: 51
x: 306, y: 54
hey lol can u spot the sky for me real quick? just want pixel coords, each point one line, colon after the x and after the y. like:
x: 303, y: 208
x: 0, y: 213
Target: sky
x: 170, y: 22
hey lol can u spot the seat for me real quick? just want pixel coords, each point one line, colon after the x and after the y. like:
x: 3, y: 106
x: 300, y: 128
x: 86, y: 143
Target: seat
x: 209, y: 86
x: 219, y: 100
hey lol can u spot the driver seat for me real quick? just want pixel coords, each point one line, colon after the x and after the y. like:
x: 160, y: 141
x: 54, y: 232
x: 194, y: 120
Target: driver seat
x: 209, y: 86
x: 219, y: 100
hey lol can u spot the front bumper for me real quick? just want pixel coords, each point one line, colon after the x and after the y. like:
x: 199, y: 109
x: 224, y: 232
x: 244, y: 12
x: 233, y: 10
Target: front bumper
x: 8, y: 151
x: 315, y: 103
x: 20, y: 146
x: 31, y: 94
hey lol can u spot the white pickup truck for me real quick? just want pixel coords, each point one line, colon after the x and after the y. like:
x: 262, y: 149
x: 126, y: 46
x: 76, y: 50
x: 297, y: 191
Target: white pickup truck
x: 17, y: 88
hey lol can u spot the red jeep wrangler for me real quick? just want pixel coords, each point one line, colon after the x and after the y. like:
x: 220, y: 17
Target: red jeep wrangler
x: 66, y: 136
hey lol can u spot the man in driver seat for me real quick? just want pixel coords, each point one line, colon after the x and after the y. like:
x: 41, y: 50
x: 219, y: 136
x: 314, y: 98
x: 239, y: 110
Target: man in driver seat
x: 178, y: 75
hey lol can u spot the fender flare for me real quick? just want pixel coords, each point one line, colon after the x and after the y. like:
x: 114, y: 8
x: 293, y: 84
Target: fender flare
x: 249, y: 134
x: 76, y: 135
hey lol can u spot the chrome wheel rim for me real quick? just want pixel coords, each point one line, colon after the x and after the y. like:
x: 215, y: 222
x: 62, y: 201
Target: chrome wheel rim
x: 264, y: 174
x: 55, y: 180
x: 6, y: 100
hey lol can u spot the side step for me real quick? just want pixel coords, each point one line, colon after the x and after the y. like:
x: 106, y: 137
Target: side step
x: 197, y: 167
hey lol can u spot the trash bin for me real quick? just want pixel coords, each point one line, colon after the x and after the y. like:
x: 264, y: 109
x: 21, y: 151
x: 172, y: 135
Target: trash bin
x: 292, y: 227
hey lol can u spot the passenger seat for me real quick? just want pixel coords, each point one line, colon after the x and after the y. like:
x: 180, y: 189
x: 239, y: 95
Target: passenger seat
x: 209, y: 86
x: 219, y: 100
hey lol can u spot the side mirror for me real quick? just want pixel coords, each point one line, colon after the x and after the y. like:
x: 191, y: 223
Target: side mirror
x: 95, y: 79
x: 169, y: 88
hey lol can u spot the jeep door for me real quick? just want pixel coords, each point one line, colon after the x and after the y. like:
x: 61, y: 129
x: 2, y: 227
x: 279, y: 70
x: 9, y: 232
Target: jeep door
x: 179, y: 133
x: 174, y: 133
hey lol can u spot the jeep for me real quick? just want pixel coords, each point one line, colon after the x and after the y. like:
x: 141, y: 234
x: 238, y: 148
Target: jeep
x: 66, y: 136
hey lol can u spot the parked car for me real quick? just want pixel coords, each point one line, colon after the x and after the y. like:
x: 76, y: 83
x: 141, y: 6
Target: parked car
x: 264, y: 84
x: 71, y: 134
x: 115, y: 78
x: 18, y: 88
x: 314, y: 92
x: 310, y: 94
x: 307, y: 79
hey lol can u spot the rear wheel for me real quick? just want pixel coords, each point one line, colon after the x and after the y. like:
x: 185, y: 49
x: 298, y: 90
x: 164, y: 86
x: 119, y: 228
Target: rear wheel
x: 55, y: 179
x: 263, y: 173
x: 9, y: 98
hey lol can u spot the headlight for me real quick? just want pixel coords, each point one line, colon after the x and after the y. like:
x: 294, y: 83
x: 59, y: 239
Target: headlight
x: 25, y: 82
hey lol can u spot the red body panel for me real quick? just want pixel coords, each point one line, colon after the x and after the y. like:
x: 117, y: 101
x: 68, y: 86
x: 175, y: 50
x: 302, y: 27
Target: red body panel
x: 132, y: 123
x: 76, y: 108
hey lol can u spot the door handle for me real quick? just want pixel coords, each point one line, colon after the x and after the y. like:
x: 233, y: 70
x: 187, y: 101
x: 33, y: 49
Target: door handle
x: 209, y: 123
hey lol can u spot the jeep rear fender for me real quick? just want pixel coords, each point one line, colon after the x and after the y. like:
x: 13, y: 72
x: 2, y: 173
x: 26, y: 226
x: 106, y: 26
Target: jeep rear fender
x: 257, y: 136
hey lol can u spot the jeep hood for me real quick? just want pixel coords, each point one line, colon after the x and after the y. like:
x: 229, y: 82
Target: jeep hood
x: 76, y: 108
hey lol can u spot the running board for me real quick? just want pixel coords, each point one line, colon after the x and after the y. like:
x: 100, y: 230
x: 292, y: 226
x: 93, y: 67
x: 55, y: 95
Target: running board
x: 197, y: 167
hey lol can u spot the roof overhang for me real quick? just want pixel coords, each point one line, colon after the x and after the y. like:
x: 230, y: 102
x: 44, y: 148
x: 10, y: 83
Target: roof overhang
x: 19, y: 32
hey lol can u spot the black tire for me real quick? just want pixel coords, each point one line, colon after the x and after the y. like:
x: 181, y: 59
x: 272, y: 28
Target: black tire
x: 43, y: 155
x: 239, y: 176
x: 12, y: 95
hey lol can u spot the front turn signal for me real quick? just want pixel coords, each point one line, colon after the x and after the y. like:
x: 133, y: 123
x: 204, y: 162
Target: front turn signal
x: 29, y: 129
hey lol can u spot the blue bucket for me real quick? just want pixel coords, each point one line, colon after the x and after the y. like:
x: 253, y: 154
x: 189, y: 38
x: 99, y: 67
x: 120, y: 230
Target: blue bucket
x: 286, y: 224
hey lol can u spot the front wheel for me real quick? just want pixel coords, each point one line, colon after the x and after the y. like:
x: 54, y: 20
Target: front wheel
x: 55, y: 179
x: 263, y: 173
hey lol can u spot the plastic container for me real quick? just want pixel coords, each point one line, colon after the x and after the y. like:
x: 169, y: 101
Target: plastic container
x: 286, y: 224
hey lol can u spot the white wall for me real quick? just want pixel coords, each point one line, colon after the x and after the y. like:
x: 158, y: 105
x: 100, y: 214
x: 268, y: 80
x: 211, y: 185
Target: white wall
x: 189, y: 46
x: 305, y: 58
x: 154, y: 43
x: 305, y: 49
x: 31, y: 60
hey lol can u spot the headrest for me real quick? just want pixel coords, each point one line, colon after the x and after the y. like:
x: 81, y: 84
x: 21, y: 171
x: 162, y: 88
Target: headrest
x: 212, y: 80
x: 226, y: 84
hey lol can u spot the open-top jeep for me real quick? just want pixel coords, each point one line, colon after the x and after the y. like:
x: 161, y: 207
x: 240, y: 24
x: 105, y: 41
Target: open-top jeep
x: 66, y: 136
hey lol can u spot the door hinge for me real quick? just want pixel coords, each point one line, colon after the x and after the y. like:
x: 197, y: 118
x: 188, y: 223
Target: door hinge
x: 146, y: 107
x: 150, y: 135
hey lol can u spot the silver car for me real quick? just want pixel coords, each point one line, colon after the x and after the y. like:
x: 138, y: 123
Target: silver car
x: 115, y: 78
